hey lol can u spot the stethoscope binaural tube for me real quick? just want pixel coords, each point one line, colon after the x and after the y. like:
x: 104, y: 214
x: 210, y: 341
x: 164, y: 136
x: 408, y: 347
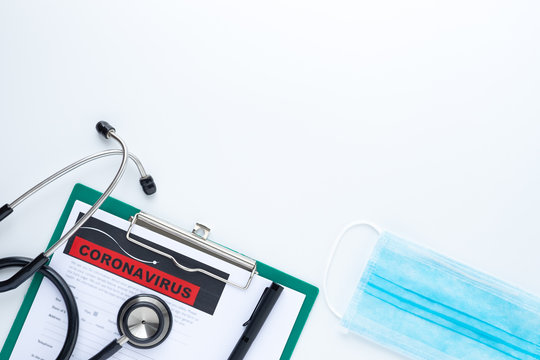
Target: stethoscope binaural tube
x: 107, y: 131
x: 29, y: 267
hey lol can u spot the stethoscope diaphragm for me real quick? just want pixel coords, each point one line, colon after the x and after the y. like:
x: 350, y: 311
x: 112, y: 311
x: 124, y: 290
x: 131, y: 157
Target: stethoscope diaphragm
x: 145, y: 320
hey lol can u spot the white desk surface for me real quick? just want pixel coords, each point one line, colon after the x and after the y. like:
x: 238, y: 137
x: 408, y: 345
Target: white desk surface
x: 276, y: 123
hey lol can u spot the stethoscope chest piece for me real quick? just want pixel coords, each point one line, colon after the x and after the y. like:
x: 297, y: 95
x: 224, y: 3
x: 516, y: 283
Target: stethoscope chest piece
x: 144, y: 320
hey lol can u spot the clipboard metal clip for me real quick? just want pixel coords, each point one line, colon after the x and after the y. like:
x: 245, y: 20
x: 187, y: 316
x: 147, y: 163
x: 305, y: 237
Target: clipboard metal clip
x: 197, y: 239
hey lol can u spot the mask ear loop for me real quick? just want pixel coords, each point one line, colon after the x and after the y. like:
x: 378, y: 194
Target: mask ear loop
x: 335, y: 245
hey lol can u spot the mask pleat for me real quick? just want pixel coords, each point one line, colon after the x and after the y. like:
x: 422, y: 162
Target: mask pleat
x: 409, y: 295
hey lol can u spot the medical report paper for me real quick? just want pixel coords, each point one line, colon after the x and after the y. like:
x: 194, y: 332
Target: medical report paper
x: 104, y: 269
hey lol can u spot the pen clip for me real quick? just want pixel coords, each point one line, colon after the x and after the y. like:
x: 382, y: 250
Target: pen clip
x: 266, y: 290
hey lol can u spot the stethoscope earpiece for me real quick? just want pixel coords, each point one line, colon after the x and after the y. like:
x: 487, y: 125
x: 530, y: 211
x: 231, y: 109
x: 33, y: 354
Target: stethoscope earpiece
x: 104, y: 128
x: 148, y: 184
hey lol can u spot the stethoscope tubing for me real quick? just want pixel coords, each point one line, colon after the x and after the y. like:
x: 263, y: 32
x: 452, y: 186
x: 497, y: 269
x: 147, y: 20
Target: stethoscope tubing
x: 67, y: 296
x: 112, y: 348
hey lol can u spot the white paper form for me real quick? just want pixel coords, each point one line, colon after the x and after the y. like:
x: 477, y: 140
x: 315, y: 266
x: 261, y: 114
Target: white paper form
x: 196, y: 334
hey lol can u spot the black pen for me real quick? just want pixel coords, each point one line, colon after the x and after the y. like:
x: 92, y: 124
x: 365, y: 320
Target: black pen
x: 256, y: 321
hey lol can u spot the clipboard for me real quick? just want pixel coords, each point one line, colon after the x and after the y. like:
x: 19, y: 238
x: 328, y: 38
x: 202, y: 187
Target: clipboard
x: 136, y: 217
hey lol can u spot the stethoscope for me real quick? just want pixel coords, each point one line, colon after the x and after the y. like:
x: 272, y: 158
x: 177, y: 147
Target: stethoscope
x: 144, y: 320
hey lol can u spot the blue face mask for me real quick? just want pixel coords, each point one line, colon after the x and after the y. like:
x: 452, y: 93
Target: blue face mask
x: 426, y: 306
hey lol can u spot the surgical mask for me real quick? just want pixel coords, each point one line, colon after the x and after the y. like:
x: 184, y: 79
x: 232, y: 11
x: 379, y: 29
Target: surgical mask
x: 427, y: 306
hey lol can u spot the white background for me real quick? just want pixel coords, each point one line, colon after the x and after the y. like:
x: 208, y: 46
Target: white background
x: 276, y: 123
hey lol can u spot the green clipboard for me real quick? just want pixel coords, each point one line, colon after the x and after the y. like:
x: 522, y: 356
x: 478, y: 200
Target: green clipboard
x: 125, y: 211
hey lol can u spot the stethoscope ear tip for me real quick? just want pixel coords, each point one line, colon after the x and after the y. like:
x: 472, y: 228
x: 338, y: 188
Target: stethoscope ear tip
x: 6, y: 210
x: 104, y: 128
x: 148, y: 185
